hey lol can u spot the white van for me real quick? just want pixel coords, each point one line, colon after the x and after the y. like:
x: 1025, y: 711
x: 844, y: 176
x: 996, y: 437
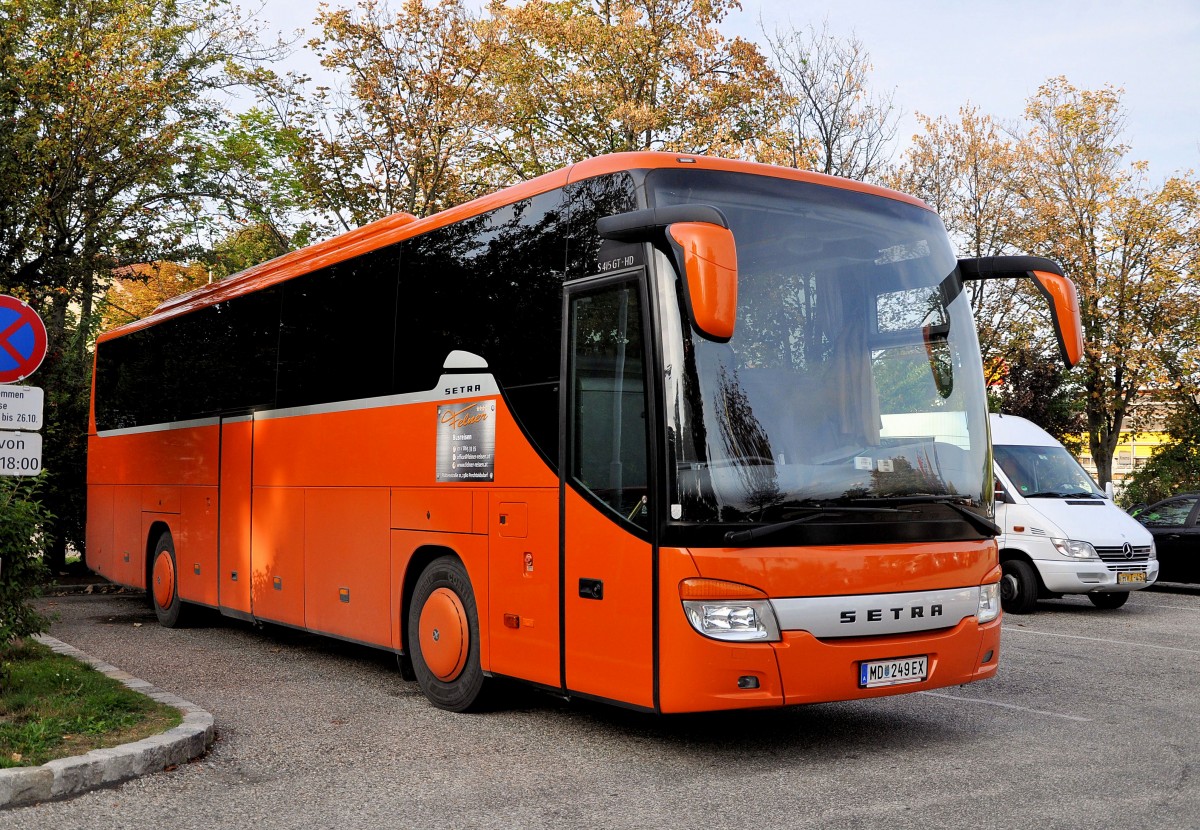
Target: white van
x: 1062, y: 534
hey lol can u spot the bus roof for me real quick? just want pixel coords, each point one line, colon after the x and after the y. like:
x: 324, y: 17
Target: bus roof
x: 399, y: 226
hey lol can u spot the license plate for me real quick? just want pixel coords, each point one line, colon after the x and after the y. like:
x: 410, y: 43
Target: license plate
x: 1135, y: 576
x: 893, y: 672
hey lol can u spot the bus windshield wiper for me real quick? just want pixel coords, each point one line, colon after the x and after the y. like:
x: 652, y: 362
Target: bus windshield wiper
x: 982, y: 524
x: 740, y: 536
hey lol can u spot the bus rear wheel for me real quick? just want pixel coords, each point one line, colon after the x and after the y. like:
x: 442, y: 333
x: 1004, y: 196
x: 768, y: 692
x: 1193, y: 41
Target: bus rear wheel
x: 164, y: 584
x: 443, y: 637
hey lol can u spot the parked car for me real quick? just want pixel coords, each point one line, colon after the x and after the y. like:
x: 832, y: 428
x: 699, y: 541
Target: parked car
x: 1175, y: 525
x: 1062, y: 534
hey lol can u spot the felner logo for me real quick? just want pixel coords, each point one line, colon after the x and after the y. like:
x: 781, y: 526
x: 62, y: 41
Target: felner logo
x: 910, y: 612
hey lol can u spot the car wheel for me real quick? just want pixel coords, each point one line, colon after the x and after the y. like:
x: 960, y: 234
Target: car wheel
x: 1018, y: 587
x: 1110, y: 600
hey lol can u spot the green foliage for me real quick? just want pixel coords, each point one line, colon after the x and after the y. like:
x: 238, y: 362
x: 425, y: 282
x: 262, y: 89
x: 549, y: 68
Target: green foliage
x: 53, y: 706
x: 22, y: 518
x: 1173, y: 468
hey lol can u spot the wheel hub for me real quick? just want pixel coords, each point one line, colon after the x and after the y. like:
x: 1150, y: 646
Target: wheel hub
x: 164, y: 580
x: 443, y: 634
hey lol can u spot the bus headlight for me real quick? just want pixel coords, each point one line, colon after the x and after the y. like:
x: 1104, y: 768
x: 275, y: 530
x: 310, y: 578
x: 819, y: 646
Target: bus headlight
x: 1074, y: 549
x: 989, y: 602
x: 729, y: 611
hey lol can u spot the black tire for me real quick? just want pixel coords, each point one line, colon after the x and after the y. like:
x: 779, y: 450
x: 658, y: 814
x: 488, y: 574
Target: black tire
x: 1018, y: 587
x: 1109, y: 601
x: 163, y: 589
x: 445, y: 655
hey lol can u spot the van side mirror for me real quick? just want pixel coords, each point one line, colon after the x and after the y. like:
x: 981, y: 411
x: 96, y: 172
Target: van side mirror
x: 705, y: 251
x: 1001, y: 495
x: 1051, y: 282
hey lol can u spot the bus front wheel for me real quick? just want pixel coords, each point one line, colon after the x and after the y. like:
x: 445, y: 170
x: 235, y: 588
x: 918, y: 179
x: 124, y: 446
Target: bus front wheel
x: 164, y: 584
x: 443, y: 636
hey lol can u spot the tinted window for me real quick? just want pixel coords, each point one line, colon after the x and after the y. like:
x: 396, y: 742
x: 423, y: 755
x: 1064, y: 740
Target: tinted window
x: 217, y: 359
x: 337, y: 331
x: 495, y: 285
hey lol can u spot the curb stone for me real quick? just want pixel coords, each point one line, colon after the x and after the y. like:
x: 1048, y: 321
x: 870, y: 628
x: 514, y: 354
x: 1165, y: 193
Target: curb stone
x: 66, y: 777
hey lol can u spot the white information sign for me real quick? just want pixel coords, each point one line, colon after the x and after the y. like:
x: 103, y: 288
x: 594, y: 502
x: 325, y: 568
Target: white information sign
x: 20, y: 453
x: 21, y: 406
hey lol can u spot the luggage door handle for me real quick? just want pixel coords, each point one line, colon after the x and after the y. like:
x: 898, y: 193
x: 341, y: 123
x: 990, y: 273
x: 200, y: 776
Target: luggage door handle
x: 591, y: 588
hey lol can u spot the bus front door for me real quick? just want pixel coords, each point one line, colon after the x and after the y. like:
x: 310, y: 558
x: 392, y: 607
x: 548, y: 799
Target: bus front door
x: 608, y: 625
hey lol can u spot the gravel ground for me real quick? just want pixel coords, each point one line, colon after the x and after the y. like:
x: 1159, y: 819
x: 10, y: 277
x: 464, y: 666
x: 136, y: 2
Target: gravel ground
x: 1092, y: 722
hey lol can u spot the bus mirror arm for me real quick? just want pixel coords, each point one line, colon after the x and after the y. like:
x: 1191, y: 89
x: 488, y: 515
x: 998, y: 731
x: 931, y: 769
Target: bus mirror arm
x: 1048, y: 276
x: 704, y: 251
x: 647, y: 225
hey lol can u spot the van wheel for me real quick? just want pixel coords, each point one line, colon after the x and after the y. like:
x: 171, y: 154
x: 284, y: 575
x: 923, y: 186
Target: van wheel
x: 1018, y: 587
x: 1109, y: 601
x: 443, y: 637
x: 164, y: 585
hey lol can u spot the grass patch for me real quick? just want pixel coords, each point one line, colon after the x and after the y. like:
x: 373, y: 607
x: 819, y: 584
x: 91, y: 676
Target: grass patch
x: 53, y: 706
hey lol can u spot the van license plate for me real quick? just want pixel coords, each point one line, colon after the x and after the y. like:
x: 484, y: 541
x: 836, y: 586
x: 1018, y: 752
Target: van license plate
x: 893, y: 672
x: 1135, y: 576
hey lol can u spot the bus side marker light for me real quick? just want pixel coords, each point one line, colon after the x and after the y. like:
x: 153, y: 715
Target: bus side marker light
x: 512, y: 621
x: 278, y: 582
x: 344, y: 594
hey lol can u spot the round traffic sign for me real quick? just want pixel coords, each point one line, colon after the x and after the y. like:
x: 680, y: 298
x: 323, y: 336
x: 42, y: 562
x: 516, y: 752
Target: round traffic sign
x: 22, y: 340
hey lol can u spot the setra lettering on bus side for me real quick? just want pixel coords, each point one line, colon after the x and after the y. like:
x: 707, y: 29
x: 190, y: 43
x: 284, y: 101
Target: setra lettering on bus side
x: 451, y: 391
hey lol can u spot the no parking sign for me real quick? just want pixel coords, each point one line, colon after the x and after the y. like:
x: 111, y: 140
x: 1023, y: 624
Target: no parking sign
x: 22, y: 349
x: 22, y: 340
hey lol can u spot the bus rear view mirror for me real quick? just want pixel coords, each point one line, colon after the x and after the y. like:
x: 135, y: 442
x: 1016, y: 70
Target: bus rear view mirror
x: 705, y: 251
x: 711, y: 284
x: 1051, y: 282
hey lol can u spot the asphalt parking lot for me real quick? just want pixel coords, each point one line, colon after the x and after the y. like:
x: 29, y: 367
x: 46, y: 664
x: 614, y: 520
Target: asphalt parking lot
x: 1092, y: 722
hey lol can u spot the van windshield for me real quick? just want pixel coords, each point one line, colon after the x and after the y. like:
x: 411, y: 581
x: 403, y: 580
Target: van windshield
x: 1045, y: 472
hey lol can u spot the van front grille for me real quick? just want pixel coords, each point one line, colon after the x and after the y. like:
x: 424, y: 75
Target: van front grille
x: 1119, y: 559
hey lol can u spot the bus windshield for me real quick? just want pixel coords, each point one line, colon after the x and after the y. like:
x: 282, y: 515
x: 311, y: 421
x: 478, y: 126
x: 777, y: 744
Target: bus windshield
x: 853, y: 376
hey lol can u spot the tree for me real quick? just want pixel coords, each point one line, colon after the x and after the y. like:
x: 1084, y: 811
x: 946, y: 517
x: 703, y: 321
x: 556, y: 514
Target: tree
x: 142, y: 288
x: 835, y: 125
x: 102, y: 104
x: 578, y: 78
x: 1041, y: 391
x: 403, y: 134
x: 966, y: 170
x: 1130, y: 247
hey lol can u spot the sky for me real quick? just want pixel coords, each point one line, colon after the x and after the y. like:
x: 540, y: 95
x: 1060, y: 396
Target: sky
x: 937, y: 55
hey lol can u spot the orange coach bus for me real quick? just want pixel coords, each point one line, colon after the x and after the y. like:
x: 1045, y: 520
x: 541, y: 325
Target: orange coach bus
x: 673, y: 432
